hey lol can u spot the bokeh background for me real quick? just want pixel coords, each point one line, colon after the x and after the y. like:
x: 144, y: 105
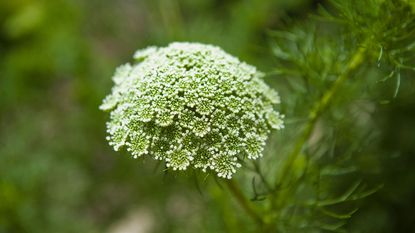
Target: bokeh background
x: 57, y: 173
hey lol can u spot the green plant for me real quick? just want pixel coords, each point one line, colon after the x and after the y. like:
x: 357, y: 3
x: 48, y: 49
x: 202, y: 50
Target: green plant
x: 339, y: 70
x: 343, y: 162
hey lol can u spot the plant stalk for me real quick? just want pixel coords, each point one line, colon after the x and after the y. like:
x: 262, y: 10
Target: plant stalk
x: 243, y: 201
x: 318, y: 109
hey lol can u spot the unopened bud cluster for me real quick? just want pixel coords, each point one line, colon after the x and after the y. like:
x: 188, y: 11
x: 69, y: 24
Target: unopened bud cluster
x: 191, y: 105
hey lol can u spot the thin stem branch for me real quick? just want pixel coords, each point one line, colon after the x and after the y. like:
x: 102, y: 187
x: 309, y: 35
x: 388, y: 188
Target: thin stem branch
x: 243, y: 201
x: 318, y: 109
x: 261, y: 176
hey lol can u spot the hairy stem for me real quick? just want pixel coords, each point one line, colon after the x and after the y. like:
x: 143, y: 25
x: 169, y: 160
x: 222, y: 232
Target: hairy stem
x: 243, y: 201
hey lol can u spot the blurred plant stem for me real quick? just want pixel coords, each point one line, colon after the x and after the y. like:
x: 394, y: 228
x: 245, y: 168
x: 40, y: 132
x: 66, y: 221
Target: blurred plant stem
x: 243, y: 201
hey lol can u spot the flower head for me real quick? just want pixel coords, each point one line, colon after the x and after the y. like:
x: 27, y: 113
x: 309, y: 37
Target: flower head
x: 191, y: 105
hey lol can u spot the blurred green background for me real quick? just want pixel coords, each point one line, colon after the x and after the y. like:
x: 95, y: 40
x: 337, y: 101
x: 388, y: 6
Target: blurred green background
x: 57, y: 173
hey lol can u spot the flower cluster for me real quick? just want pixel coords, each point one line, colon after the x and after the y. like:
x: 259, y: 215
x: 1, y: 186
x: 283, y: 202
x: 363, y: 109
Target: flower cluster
x: 191, y: 105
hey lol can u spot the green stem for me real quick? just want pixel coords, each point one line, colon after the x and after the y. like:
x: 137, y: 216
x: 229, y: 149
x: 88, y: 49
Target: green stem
x: 315, y: 113
x: 318, y: 109
x: 243, y: 201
